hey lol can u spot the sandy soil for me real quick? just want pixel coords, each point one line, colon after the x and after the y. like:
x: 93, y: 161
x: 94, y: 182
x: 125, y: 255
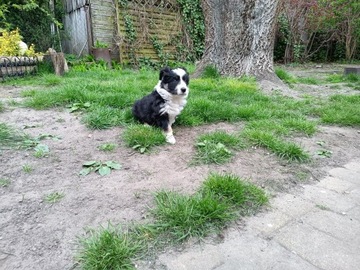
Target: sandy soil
x: 35, y: 234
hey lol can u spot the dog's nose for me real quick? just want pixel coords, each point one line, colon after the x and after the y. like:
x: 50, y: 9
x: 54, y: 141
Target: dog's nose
x: 183, y: 90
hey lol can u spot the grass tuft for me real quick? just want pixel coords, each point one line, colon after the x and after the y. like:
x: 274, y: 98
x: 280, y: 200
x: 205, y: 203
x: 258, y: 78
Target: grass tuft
x: 215, y: 147
x: 9, y: 137
x: 107, y: 248
x: 211, y: 72
x: 233, y: 190
x: 285, y: 76
x: 283, y: 149
x: 183, y: 216
x: 143, y: 137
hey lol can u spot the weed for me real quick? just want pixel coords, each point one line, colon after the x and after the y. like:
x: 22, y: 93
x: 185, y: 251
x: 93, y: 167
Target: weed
x: 214, y: 147
x: 4, y: 182
x: 27, y: 168
x: 142, y: 137
x: 322, y: 207
x: 54, y: 197
x: 2, y: 107
x: 324, y: 153
x: 103, y: 168
x: 301, y: 176
x: 41, y: 150
x: 107, y: 147
x: 79, y: 106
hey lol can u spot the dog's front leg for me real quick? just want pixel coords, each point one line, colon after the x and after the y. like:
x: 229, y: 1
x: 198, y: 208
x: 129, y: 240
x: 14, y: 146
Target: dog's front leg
x: 169, y: 135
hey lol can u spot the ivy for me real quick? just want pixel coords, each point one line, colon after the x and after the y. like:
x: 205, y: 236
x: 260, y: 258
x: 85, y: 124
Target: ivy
x: 193, y: 18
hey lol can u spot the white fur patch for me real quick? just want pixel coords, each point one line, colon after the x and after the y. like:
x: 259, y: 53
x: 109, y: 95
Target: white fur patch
x: 173, y: 105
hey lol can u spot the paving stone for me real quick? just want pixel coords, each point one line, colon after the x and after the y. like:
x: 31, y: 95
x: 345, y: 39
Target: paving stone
x: 328, y: 198
x: 353, y: 166
x: 342, y: 227
x: 355, y: 213
x: 292, y: 205
x: 335, y: 184
x: 354, y: 195
x: 245, y: 250
x: 269, y: 222
x: 346, y: 175
x: 319, y: 248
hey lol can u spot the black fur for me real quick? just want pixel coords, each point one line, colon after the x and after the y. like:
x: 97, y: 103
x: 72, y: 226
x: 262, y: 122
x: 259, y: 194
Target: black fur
x: 147, y: 109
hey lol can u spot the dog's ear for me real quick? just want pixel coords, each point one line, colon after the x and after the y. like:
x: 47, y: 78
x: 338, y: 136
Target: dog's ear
x: 164, y: 71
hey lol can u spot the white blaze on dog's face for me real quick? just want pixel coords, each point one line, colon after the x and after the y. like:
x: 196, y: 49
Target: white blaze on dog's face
x: 175, y: 81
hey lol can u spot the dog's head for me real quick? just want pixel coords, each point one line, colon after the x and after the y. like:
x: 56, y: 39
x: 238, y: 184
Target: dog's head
x: 175, y: 81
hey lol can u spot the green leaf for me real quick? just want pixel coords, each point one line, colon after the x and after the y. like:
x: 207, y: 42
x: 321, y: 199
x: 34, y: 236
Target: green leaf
x: 136, y: 146
x: 113, y: 165
x: 104, y: 170
x: 85, y: 171
x: 202, y: 144
x: 89, y: 163
x: 142, y: 150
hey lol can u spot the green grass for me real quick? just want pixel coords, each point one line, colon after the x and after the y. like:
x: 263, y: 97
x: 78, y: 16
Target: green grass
x: 285, y: 76
x: 182, y: 216
x: 4, y: 182
x: 27, y: 168
x: 107, y: 248
x: 235, y: 191
x: 221, y: 199
x: 341, y: 110
x: 111, y: 93
x: 107, y: 147
x: 286, y: 150
x: 143, y: 137
x: 10, y: 137
x: 54, y: 197
x: 216, y: 147
x: 2, y: 107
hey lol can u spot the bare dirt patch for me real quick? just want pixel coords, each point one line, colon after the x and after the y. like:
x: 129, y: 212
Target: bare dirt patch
x: 35, y: 234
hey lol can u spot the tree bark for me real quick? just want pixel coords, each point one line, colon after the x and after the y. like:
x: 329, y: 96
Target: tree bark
x: 239, y: 37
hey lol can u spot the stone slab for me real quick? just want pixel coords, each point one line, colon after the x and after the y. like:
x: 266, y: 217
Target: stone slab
x: 319, y: 248
x: 335, y: 184
x: 342, y: 227
x: 328, y: 198
x: 346, y: 175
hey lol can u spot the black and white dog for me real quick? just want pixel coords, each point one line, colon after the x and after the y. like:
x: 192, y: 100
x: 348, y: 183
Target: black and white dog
x: 168, y: 99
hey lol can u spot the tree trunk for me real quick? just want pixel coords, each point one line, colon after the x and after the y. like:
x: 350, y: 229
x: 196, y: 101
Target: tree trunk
x: 239, y: 37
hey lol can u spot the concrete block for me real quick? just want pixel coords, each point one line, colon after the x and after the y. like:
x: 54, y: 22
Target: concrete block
x: 354, y: 213
x: 353, y: 166
x: 328, y: 198
x: 243, y: 250
x: 346, y: 175
x: 335, y: 184
x: 319, y: 248
x: 268, y: 223
x: 292, y: 205
x: 342, y: 227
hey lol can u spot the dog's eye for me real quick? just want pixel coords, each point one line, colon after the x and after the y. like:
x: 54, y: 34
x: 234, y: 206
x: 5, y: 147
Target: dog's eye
x: 177, y: 78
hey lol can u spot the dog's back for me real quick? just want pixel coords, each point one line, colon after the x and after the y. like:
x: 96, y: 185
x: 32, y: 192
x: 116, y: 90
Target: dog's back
x: 147, y: 110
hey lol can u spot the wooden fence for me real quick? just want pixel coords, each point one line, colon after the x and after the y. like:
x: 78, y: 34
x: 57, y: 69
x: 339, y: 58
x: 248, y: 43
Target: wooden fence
x: 156, y: 26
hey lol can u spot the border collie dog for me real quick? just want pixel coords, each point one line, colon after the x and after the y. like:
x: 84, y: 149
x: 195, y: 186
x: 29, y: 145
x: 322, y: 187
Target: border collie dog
x: 164, y: 104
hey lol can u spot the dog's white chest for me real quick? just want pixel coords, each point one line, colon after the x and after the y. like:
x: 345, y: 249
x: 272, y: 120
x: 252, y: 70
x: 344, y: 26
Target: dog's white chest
x: 173, y: 105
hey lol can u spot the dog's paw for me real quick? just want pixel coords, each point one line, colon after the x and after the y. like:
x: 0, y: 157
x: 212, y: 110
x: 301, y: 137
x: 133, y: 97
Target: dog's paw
x: 170, y: 139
